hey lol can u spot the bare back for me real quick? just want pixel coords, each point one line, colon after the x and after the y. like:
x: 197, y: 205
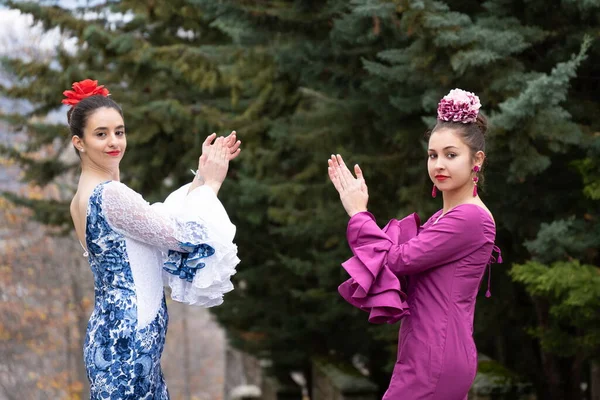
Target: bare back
x: 79, y: 206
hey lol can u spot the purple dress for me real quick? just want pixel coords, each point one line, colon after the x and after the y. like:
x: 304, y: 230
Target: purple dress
x: 429, y: 277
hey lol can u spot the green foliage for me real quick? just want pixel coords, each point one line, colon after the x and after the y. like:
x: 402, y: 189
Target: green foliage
x: 302, y: 79
x: 572, y: 291
x: 495, y: 379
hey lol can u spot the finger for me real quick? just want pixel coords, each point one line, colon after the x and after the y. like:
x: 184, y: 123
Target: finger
x: 235, y: 146
x: 338, y: 182
x: 338, y: 171
x: 360, y: 176
x: 224, y: 152
x: 231, y: 156
x: 219, y: 142
x: 334, y: 179
x: 209, y: 139
x: 359, y: 173
x: 220, y: 148
x: 345, y: 171
x: 230, y: 139
x: 334, y: 167
x: 345, y: 175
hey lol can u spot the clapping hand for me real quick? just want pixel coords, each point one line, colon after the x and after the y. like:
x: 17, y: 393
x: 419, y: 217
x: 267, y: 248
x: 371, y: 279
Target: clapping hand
x: 231, y: 143
x: 213, y: 165
x: 353, y: 191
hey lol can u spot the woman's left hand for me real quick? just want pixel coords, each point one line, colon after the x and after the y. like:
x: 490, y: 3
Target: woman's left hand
x: 231, y: 143
x: 353, y: 191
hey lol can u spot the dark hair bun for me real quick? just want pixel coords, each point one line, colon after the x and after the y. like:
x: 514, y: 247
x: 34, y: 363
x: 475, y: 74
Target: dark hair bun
x: 482, y: 123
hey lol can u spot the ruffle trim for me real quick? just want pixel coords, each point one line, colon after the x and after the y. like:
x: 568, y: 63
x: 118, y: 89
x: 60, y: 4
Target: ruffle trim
x: 372, y: 286
x: 202, y: 276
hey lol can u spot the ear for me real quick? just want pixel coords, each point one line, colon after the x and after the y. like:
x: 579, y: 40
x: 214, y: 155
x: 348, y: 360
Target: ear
x: 479, y: 158
x: 77, y: 142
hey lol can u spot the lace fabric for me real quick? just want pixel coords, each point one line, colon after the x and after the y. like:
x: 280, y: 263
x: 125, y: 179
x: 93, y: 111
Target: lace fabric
x: 133, y: 217
x: 187, y: 228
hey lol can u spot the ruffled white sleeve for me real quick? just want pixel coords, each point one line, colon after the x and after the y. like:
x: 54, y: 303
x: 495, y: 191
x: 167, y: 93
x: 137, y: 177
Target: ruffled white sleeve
x: 193, y: 278
x: 200, y: 255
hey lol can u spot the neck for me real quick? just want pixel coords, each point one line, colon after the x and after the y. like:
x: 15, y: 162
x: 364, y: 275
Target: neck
x: 95, y: 172
x: 458, y: 196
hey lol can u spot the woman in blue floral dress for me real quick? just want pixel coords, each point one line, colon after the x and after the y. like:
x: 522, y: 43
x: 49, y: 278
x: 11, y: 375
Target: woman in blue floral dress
x: 134, y: 248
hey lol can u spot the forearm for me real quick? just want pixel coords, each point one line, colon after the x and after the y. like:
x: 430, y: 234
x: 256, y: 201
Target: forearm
x: 197, y: 182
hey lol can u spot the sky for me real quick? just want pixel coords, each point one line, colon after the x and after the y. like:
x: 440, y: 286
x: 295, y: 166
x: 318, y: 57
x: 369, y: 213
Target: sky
x: 20, y: 37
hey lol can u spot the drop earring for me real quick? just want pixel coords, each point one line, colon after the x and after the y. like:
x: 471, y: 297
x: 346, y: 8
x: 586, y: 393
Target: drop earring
x: 434, y: 192
x: 475, y: 180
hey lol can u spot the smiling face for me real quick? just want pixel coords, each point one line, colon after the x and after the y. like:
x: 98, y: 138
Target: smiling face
x: 450, y: 161
x: 103, y: 142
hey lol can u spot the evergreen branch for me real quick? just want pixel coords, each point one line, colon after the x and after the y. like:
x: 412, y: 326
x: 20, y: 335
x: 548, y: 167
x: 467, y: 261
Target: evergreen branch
x: 50, y: 17
x: 49, y: 212
x: 40, y: 172
x: 545, y: 91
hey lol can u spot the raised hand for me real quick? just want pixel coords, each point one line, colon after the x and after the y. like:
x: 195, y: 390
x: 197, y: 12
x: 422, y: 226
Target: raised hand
x: 212, y: 167
x: 231, y: 143
x: 353, y: 191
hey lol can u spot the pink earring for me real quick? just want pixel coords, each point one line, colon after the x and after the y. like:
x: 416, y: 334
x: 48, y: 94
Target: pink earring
x: 434, y: 192
x: 475, y: 180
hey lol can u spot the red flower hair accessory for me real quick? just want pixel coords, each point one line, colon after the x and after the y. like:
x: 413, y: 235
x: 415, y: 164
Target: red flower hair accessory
x: 82, y: 90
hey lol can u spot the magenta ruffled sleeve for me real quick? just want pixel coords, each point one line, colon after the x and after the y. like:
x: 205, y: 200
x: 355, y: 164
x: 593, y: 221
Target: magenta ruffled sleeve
x: 372, y: 286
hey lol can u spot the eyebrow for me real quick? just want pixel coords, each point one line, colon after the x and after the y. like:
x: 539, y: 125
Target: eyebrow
x: 103, y: 128
x: 446, y: 148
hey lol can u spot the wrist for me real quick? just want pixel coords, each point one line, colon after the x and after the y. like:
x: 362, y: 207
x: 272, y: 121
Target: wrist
x: 357, y: 211
x: 214, y: 185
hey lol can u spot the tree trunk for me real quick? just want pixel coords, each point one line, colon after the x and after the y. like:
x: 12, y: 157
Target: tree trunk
x: 595, y: 380
x: 575, y: 377
x: 81, y: 315
x: 186, y: 355
x: 552, y: 385
x: 69, y: 353
x: 500, y: 353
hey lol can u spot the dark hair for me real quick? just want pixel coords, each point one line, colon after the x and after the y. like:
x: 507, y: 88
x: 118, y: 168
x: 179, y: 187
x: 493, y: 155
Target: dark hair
x: 78, y: 115
x: 473, y: 134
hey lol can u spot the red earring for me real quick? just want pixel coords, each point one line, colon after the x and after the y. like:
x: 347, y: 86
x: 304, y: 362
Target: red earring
x: 475, y: 180
x: 434, y: 192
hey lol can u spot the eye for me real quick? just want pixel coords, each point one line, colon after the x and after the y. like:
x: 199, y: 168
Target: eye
x: 120, y: 133
x: 451, y: 155
x: 100, y: 134
x: 432, y: 156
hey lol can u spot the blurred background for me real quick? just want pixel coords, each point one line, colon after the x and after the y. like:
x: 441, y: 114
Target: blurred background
x: 299, y: 80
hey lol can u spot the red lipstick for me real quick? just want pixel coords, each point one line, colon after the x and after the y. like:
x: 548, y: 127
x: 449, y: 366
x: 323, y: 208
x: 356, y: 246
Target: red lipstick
x: 113, y: 153
x: 441, y: 178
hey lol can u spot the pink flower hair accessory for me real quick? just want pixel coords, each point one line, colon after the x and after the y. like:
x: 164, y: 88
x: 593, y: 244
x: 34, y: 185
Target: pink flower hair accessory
x: 459, y: 106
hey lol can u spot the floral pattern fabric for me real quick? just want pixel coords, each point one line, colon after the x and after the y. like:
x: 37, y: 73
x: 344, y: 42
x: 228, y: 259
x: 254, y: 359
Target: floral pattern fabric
x: 122, y: 361
x: 134, y: 249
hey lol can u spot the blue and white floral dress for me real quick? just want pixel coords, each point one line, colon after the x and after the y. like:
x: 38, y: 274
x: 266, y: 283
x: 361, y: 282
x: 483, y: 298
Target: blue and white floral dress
x: 134, y: 249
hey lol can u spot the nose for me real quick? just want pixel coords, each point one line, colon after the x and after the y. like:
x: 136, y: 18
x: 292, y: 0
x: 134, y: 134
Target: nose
x: 112, y: 140
x: 439, y: 164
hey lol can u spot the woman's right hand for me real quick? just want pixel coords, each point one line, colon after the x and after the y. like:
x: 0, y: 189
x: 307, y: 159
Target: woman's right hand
x: 214, y: 163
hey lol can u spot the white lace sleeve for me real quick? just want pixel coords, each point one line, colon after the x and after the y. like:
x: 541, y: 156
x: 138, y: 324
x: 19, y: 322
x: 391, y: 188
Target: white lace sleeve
x: 129, y: 214
x: 195, y: 280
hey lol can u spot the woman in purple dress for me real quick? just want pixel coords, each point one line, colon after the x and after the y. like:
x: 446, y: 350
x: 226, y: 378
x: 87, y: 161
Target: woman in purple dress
x: 427, y: 275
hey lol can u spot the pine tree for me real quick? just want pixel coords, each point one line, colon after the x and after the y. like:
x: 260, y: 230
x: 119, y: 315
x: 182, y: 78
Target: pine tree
x: 302, y: 79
